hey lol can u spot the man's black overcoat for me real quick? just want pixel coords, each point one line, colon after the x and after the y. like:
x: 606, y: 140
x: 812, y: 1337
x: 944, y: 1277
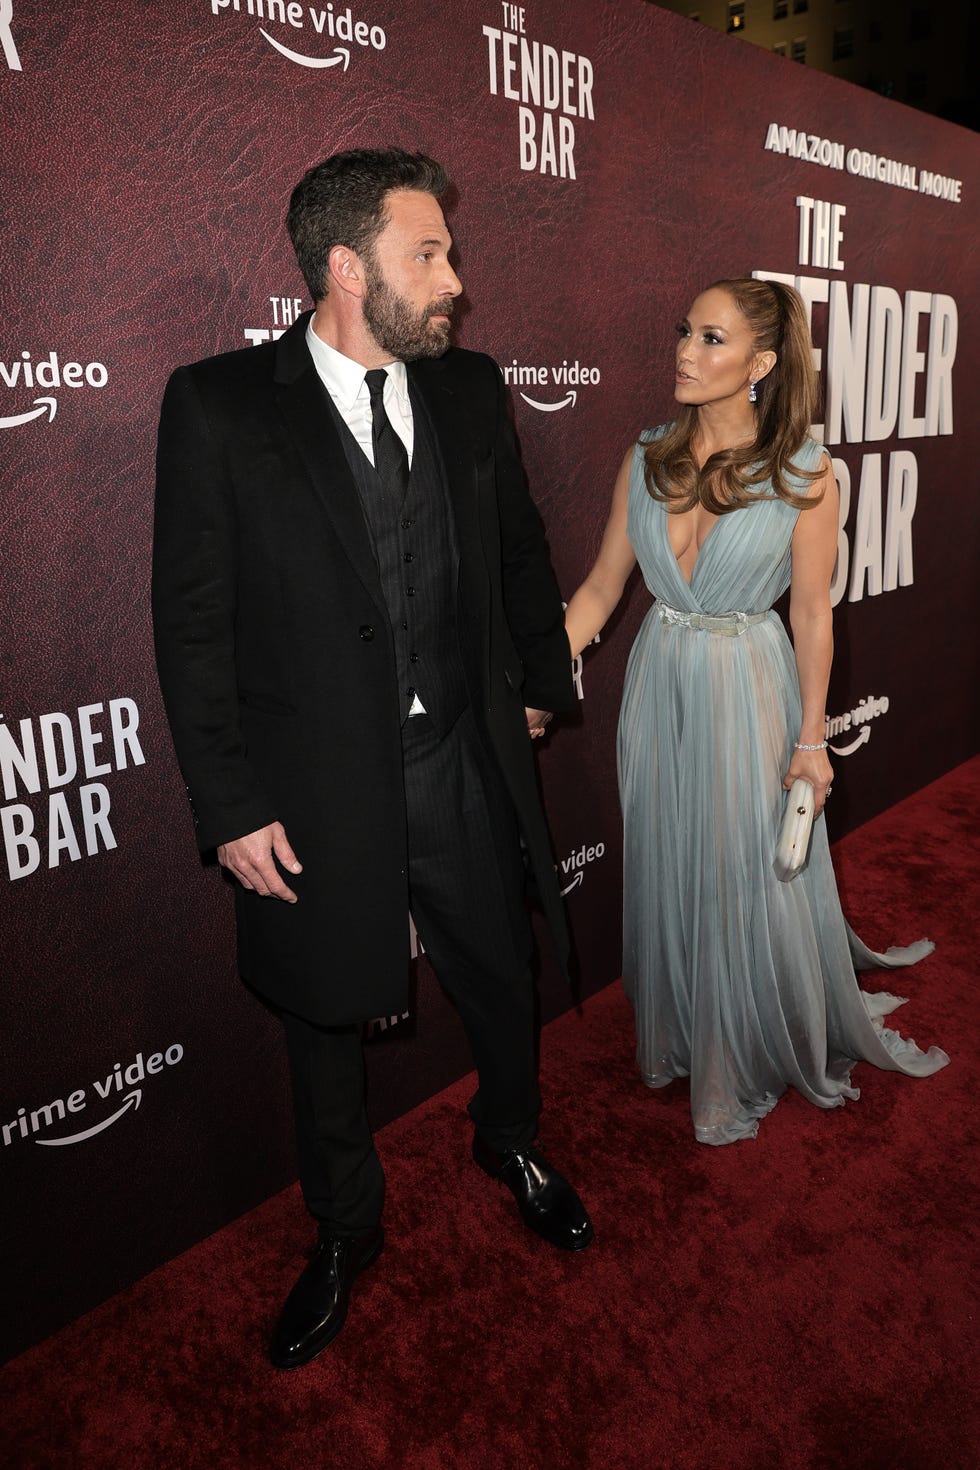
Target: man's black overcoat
x: 276, y: 656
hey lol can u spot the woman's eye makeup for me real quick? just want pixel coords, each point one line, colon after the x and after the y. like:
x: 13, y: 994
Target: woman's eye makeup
x: 683, y: 330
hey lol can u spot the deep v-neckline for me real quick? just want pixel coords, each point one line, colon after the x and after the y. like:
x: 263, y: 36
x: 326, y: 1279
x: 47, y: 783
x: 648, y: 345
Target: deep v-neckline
x: 688, y: 581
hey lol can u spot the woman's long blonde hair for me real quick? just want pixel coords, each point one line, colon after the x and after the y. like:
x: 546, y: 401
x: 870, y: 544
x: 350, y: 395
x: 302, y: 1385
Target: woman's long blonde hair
x: 787, y: 402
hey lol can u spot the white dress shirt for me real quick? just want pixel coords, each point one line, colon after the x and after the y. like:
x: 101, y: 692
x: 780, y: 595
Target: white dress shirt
x: 343, y: 379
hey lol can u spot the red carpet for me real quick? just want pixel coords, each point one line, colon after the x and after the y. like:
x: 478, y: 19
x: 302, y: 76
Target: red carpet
x: 801, y: 1302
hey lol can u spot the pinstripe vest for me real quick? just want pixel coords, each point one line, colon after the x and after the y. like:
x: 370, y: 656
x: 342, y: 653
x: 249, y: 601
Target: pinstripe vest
x: 418, y: 563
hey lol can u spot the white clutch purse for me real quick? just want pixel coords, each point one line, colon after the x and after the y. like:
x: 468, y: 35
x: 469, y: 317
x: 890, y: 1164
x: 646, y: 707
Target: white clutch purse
x: 793, y: 843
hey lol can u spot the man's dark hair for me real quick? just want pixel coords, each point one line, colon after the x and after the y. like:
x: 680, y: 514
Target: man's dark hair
x: 341, y: 201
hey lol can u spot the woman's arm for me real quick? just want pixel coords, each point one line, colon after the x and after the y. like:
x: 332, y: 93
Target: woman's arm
x: 811, y: 619
x: 594, y: 602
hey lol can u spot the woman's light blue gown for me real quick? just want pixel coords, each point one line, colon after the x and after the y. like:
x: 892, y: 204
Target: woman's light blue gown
x: 743, y: 983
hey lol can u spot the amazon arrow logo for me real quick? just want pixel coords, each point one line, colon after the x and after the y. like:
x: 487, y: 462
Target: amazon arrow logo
x: 132, y: 1098
x: 567, y: 402
x: 7, y: 35
x: 45, y: 405
x: 340, y: 54
x: 862, y: 739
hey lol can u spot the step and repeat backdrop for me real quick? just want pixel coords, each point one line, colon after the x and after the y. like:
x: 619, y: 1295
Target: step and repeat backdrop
x: 609, y: 161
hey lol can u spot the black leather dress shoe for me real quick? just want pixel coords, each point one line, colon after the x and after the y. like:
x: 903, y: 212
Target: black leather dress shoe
x: 316, y: 1308
x: 547, y: 1202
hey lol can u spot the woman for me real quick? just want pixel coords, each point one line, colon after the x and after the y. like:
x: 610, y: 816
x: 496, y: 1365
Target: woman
x: 743, y: 982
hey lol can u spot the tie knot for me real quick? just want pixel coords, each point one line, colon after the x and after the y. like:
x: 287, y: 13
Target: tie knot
x: 375, y: 380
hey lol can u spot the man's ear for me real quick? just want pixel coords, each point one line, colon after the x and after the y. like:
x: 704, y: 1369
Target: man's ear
x: 346, y: 270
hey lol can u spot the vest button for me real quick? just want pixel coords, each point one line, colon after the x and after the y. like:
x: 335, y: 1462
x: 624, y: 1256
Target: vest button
x: 366, y: 632
x: 409, y: 591
x: 413, y: 658
x: 409, y: 556
x: 407, y: 525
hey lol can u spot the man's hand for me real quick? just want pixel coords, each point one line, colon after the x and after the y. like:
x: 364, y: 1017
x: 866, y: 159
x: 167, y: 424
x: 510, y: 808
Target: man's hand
x: 536, y: 721
x: 249, y: 859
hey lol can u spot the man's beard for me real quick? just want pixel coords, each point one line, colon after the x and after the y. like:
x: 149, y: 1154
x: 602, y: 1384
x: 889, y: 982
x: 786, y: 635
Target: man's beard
x: 398, y: 327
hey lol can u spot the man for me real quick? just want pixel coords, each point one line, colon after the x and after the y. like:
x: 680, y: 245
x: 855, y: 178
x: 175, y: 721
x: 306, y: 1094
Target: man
x: 357, y: 630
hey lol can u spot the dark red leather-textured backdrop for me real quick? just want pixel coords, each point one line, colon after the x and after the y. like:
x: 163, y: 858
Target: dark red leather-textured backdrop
x: 149, y: 153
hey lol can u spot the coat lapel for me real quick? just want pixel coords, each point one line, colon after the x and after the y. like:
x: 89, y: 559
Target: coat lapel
x: 299, y: 395
x: 433, y: 382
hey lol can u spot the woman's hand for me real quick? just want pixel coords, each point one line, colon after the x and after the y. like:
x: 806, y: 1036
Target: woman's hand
x: 813, y: 766
x: 536, y: 721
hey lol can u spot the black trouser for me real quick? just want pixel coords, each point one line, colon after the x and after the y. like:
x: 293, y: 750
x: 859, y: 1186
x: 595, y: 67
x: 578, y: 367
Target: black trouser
x: 466, y: 891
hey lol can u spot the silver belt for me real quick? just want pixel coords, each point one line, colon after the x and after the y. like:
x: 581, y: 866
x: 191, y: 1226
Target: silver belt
x: 731, y: 624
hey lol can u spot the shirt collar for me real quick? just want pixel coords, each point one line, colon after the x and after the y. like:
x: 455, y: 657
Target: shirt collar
x: 343, y: 377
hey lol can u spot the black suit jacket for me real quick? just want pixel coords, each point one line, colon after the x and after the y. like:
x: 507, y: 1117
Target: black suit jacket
x: 276, y: 658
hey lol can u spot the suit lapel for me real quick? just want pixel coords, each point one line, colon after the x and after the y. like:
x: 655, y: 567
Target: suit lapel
x: 300, y: 398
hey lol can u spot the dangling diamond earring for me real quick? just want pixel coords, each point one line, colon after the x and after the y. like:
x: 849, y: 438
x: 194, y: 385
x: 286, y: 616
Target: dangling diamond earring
x: 753, y: 395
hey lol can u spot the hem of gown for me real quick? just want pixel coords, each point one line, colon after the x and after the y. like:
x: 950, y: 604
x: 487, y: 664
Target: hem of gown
x: 661, y: 1079
x: 897, y: 1053
x: 744, y: 1122
x: 735, y: 1127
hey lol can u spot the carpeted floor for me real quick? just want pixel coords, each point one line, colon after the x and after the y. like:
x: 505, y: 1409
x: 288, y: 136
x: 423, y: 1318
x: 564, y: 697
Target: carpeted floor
x: 801, y: 1302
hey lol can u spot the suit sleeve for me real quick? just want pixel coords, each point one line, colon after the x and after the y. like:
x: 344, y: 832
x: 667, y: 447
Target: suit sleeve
x: 532, y: 601
x: 194, y: 603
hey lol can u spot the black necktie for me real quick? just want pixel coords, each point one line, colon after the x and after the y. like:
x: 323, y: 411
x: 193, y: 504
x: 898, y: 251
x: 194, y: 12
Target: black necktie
x: 390, y: 457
